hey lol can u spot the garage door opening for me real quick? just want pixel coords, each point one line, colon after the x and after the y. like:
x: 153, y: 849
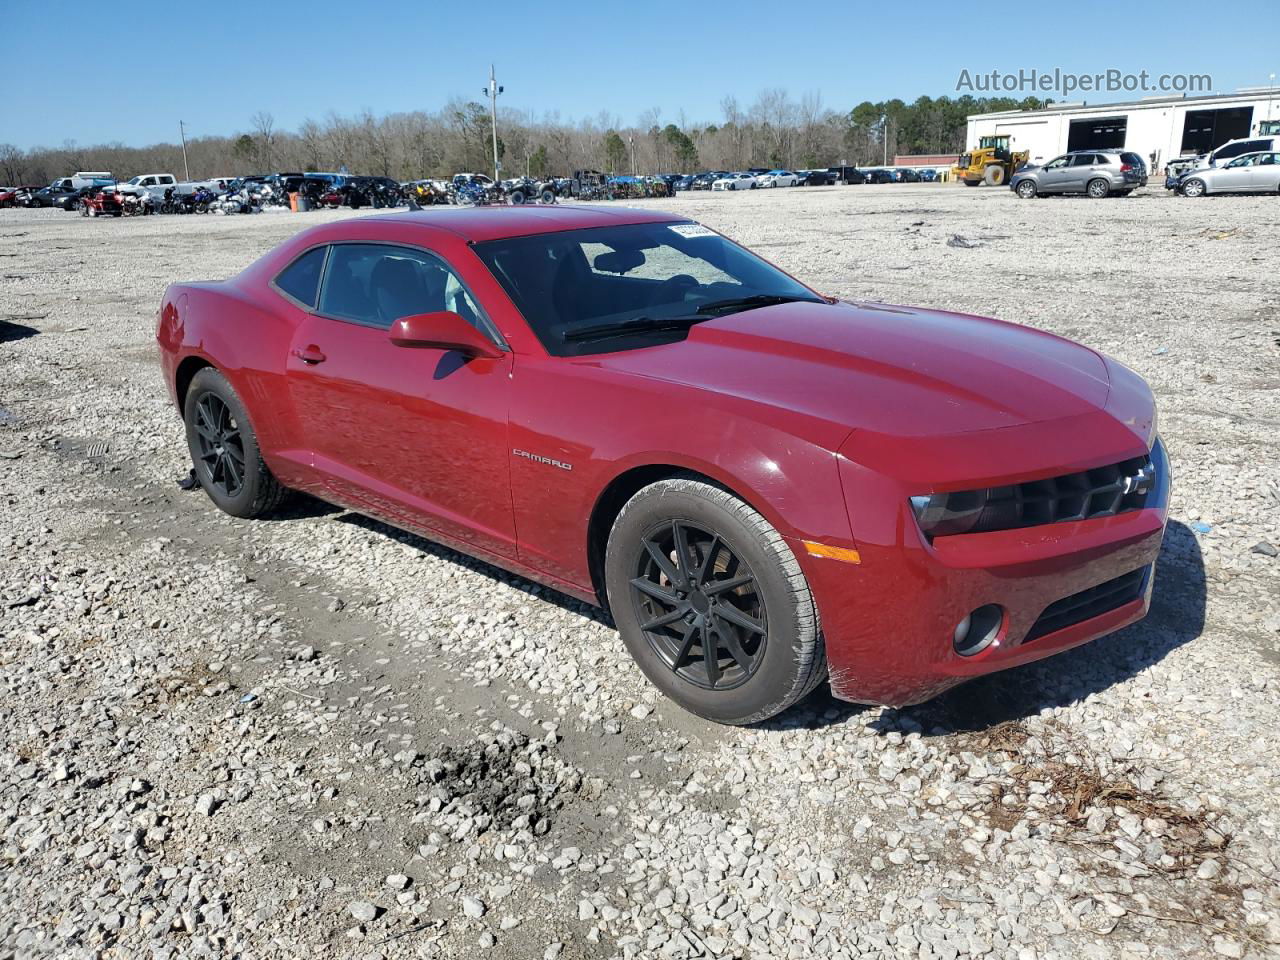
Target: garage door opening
x: 1202, y: 130
x: 1101, y: 133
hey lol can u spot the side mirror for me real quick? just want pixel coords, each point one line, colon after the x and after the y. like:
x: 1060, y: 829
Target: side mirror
x: 442, y: 330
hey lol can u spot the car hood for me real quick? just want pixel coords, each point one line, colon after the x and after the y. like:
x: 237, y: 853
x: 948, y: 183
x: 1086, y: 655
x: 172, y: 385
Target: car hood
x: 897, y: 371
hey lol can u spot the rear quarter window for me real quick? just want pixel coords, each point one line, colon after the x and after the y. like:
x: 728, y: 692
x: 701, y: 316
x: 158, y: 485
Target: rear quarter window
x: 300, y: 280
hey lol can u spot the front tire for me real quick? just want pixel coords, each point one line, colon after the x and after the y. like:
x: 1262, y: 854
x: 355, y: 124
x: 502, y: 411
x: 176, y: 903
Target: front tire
x: 1194, y: 188
x: 994, y: 176
x: 224, y: 449
x: 1026, y: 189
x: 711, y: 603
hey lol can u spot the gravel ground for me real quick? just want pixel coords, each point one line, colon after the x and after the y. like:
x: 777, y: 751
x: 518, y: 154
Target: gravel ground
x: 267, y: 739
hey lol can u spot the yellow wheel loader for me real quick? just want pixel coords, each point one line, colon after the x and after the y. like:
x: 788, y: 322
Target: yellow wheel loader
x: 992, y: 163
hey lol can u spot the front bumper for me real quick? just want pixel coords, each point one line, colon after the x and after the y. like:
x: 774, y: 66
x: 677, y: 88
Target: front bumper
x: 889, y: 621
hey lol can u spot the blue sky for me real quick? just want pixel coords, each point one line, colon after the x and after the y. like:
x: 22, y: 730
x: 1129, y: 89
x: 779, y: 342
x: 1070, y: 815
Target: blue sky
x: 215, y: 64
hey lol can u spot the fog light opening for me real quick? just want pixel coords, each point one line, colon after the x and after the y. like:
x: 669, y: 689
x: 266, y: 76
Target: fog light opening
x: 978, y: 630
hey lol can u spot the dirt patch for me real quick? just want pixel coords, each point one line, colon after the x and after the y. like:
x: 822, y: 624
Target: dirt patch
x: 500, y: 782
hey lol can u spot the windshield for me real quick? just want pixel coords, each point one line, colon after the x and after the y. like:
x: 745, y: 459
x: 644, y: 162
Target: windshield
x: 648, y: 273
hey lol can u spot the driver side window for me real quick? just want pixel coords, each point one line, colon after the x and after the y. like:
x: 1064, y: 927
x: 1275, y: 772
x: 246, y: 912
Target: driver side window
x: 1057, y: 164
x: 376, y: 284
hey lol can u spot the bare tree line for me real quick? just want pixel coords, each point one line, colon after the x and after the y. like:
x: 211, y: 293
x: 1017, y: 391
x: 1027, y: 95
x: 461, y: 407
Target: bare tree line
x: 775, y: 130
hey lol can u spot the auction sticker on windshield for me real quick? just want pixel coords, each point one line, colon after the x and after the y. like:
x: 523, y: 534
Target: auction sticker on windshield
x: 692, y: 230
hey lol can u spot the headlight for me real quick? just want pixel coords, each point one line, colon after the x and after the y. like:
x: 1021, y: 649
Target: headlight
x: 943, y: 514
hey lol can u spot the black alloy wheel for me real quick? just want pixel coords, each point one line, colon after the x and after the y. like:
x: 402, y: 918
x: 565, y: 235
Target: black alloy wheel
x: 711, y: 602
x: 224, y: 448
x: 221, y: 446
x: 699, y: 606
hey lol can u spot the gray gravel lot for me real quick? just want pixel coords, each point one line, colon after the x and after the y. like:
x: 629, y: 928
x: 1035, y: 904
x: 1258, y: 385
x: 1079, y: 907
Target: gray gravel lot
x: 316, y: 735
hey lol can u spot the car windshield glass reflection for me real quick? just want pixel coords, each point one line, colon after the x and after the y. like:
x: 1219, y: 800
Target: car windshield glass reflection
x: 612, y: 288
x: 638, y: 278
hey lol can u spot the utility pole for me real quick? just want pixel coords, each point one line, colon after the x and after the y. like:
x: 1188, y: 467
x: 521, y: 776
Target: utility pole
x: 884, y: 135
x: 1271, y: 90
x: 493, y: 90
x: 182, y: 132
x: 631, y: 140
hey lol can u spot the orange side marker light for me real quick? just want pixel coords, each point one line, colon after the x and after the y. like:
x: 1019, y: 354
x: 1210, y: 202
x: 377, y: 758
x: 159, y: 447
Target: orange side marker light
x: 844, y: 554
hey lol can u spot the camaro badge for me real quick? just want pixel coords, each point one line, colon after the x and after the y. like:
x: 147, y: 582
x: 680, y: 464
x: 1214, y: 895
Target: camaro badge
x: 538, y: 458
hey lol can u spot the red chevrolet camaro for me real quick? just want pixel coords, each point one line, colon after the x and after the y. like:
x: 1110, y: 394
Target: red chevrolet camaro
x: 767, y: 488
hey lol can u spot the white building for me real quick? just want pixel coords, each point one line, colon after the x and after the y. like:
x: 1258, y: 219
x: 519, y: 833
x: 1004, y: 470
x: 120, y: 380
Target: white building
x: 1160, y: 129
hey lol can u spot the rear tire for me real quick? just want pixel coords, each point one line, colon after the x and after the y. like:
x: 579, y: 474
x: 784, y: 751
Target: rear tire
x: 224, y: 449
x: 733, y: 632
x: 1097, y: 188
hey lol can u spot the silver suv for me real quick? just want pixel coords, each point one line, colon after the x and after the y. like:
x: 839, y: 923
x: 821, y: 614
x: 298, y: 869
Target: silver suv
x: 1096, y: 173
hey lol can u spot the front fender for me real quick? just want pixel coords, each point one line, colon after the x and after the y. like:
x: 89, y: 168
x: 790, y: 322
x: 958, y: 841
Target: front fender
x: 575, y: 431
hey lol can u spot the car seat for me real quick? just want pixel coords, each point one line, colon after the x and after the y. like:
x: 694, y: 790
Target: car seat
x: 398, y: 290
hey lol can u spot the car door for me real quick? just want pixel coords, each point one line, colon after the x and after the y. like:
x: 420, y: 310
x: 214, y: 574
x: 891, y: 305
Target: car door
x: 1234, y: 176
x: 1264, y: 175
x: 414, y: 435
x: 1053, y: 179
x: 1077, y: 172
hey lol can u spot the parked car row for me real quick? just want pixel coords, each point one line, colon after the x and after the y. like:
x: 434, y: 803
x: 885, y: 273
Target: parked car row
x: 753, y: 179
x: 98, y: 193
x: 1247, y: 165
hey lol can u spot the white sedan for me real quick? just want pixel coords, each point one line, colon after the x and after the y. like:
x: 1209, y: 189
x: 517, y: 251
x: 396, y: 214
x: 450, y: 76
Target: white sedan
x: 778, y: 178
x: 735, y: 181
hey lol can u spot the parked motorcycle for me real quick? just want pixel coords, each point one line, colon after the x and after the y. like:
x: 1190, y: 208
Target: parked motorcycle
x: 137, y: 204
x: 467, y: 191
x: 202, y: 199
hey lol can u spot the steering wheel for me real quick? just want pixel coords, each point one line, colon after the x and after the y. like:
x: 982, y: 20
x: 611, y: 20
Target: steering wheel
x: 673, y: 289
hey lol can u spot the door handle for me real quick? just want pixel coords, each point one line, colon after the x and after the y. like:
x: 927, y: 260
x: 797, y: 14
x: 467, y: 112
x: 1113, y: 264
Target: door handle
x: 309, y: 354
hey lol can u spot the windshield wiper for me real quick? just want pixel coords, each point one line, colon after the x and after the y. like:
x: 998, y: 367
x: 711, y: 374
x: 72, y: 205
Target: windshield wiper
x: 632, y: 325
x: 759, y: 300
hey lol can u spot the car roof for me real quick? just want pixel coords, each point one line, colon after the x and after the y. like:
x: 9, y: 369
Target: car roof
x: 479, y: 224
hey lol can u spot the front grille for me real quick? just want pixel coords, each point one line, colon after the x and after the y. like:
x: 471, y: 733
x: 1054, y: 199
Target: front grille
x: 1100, y: 492
x: 1090, y: 603
x: 1097, y: 492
